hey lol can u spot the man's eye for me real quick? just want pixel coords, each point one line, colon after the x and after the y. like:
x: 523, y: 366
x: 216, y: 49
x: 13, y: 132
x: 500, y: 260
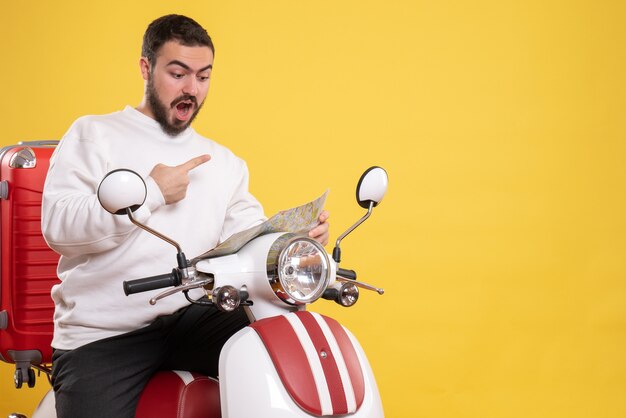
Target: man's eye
x: 203, y: 78
x: 177, y: 76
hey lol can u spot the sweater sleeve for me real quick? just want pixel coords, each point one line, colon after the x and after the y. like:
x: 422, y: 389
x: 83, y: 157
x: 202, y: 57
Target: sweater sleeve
x: 73, y: 222
x: 243, y: 211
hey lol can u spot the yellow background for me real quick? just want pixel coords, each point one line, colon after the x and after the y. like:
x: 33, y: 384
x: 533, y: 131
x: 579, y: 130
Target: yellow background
x: 501, y: 243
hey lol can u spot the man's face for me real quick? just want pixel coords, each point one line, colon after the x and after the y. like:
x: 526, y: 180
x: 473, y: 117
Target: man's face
x: 177, y: 84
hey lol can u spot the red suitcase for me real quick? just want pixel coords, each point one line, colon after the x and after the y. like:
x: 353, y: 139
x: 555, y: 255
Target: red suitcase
x: 27, y: 265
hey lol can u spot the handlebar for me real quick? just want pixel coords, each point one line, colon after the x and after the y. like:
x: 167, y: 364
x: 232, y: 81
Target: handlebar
x: 348, y: 274
x: 153, y: 282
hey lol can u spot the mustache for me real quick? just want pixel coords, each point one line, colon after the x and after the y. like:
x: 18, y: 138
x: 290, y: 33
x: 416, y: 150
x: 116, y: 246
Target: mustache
x: 184, y: 97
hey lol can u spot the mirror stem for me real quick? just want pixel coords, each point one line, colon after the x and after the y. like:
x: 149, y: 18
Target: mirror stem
x: 182, y: 260
x: 337, y: 250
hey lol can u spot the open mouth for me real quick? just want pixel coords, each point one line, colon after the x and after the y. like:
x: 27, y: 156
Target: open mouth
x: 184, y: 110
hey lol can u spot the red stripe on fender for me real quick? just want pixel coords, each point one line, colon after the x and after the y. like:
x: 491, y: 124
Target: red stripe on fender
x: 290, y: 361
x: 351, y: 359
x: 329, y: 364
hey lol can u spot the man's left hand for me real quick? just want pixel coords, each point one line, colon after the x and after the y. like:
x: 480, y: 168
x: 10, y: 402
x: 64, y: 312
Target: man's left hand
x: 321, y: 232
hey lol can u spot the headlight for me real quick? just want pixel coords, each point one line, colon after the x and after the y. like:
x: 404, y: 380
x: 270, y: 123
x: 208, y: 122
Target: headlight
x: 298, y: 269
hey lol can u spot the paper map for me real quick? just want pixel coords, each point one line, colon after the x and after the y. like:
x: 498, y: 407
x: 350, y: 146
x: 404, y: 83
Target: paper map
x: 299, y: 219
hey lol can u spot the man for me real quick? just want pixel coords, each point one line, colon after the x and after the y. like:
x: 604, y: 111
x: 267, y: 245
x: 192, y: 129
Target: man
x: 108, y: 345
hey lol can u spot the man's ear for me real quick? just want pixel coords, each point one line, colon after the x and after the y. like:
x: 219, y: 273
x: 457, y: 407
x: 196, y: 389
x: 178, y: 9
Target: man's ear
x: 144, y: 66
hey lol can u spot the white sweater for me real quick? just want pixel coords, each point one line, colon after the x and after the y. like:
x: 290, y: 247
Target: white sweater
x: 99, y: 250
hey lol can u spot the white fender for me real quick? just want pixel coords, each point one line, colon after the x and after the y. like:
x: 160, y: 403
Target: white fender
x: 46, y: 408
x: 251, y: 387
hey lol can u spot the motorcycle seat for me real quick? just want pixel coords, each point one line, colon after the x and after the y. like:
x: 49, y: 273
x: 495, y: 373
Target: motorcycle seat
x: 180, y: 394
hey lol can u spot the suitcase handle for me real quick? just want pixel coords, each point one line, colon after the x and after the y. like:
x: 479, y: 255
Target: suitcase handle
x: 45, y: 142
x: 40, y: 143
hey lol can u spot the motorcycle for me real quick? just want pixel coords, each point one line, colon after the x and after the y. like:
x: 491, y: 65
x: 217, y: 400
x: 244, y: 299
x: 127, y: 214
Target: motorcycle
x: 288, y: 362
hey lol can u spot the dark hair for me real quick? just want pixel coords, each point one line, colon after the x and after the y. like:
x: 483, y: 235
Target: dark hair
x: 173, y: 27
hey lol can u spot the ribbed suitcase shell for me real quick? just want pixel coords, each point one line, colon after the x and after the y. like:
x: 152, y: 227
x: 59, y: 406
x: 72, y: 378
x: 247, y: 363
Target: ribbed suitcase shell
x: 27, y: 264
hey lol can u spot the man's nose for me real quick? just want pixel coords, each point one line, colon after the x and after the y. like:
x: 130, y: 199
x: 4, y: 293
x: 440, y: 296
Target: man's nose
x: 191, y: 86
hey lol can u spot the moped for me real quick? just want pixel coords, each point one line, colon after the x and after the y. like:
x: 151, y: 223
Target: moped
x: 288, y: 362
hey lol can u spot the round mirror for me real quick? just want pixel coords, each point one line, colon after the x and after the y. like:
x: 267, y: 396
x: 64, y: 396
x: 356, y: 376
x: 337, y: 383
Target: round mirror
x: 122, y: 189
x: 372, y: 187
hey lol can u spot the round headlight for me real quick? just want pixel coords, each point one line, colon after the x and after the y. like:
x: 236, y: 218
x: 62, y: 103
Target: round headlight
x: 299, y: 270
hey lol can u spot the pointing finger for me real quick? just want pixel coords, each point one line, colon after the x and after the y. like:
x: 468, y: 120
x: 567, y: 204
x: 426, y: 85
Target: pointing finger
x: 195, y: 162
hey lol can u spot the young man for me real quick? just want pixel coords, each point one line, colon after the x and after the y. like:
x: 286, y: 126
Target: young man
x: 108, y: 345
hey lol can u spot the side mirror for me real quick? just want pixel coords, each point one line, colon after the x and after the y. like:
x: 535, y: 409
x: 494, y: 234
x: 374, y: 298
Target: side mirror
x: 372, y: 187
x: 370, y: 190
x: 120, y: 190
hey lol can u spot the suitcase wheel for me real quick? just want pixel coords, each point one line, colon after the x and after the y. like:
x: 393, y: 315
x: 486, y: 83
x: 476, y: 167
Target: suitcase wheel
x: 17, y: 378
x: 19, y: 375
x: 31, y: 378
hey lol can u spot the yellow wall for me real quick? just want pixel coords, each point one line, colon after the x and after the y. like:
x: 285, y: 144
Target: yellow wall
x: 502, y: 241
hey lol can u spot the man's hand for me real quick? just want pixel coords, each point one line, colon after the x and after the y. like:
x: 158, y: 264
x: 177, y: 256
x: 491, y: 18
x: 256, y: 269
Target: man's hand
x: 173, y: 181
x: 321, y: 232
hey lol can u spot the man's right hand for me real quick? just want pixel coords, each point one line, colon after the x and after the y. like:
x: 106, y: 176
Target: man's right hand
x: 173, y: 181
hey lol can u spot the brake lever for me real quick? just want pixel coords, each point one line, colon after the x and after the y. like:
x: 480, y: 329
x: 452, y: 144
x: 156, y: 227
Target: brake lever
x: 182, y: 288
x: 362, y: 285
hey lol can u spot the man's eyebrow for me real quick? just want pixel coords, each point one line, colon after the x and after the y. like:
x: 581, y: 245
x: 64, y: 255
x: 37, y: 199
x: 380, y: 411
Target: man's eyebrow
x: 186, y: 67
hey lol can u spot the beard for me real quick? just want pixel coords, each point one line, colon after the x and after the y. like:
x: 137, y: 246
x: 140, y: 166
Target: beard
x: 159, y: 110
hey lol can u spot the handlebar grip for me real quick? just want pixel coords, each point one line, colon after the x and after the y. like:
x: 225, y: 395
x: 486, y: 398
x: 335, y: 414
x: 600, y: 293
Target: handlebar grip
x: 348, y: 274
x: 151, y: 283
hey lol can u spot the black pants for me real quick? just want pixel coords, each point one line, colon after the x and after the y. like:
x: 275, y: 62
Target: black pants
x: 105, y: 378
